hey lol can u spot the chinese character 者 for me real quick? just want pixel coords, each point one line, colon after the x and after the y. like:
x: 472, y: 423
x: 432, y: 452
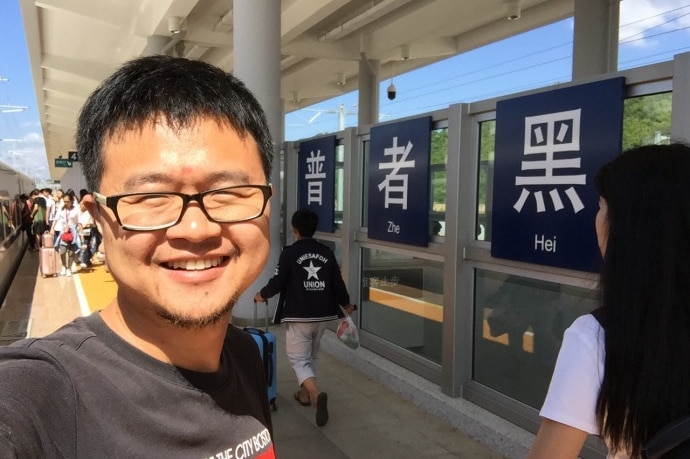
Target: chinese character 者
x: 395, y: 183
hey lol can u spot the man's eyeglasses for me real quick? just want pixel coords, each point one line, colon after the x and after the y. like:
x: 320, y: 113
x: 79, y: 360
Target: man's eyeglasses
x: 154, y: 211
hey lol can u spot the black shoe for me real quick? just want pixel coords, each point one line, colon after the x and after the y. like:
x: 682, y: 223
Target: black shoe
x: 322, y: 409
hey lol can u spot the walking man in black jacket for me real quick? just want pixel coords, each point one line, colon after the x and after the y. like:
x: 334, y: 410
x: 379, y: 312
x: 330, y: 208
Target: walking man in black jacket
x: 311, y: 292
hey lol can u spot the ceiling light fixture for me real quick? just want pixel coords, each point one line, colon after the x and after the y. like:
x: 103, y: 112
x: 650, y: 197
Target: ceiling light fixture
x: 513, y: 10
x: 12, y: 108
x: 174, y: 24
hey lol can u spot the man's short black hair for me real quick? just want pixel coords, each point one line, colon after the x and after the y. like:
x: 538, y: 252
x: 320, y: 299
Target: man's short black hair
x: 171, y: 90
x: 305, y: 222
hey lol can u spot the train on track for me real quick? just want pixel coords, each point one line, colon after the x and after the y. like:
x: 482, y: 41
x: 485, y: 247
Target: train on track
x: 13, y: 242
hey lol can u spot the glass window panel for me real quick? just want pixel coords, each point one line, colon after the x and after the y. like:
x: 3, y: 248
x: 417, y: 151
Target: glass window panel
x: 5, y: 220
x: 402, y: 301
x: 438, y: 160
x: 518, y: 328
x: 336, y: 247
x: 487, y: 142
x: 647, y: 120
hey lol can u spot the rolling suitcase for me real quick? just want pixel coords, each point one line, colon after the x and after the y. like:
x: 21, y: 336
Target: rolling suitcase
x: 268, y: 349
x: 48, y: 261
x: 47, y: 239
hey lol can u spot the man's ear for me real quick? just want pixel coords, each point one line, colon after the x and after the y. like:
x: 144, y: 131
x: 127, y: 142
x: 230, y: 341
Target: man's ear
x: 90, y: 204
x: 94, y: 210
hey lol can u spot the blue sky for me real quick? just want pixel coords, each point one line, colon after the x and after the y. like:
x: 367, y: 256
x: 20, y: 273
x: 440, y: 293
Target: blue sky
x: 651, y: 31
x: 29, y: 154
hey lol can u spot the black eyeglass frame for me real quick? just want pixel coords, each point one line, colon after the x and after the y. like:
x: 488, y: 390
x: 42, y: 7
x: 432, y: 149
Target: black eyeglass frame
x: 111, y: 203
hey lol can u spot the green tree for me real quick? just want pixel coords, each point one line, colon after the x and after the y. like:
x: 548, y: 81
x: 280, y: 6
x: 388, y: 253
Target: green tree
x: 438, y: 159
x: 646, y: 120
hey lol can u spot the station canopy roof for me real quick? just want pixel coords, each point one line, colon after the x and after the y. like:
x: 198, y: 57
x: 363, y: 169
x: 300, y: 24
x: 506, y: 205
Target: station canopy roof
x: 73, y: 44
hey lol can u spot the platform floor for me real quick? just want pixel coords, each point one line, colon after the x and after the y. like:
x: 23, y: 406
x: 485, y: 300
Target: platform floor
x: 377, y: 409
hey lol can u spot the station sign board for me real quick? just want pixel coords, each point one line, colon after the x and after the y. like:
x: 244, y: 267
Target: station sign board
x: 316, y: 171
x: 549, y: 146
x: 399, y: 182
x: 63, y: 162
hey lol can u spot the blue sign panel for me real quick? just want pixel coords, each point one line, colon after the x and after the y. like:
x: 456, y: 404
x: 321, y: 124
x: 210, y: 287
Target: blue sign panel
x: 316, y: 171
x: 399, y: 182
x: 549, y: 146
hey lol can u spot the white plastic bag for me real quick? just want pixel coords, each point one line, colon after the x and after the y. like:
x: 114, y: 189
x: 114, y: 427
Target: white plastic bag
x: 347, y: 332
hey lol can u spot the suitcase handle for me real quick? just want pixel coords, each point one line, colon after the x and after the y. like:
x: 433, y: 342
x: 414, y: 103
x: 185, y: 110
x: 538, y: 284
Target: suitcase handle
x: 255, y: 314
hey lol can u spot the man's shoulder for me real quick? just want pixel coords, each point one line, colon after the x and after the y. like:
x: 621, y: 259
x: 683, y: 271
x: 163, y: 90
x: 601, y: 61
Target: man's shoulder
x: 70, y: 336
x: 310, y: 245
x: 29, y: 364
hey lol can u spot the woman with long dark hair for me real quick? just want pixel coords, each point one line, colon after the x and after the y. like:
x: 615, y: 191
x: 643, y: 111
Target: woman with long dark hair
x: 39, y: 217
x: 627, y: 375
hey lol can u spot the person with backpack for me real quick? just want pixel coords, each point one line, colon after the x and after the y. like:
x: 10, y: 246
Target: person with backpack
x: 624, y: 376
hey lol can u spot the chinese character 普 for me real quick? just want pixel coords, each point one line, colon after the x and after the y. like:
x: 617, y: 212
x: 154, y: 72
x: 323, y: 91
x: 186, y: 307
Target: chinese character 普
x: 314, y: 177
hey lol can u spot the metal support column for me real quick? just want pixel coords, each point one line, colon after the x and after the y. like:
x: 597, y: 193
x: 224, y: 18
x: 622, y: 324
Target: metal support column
x: 595, y: 38
x: 368, y: 109
x: 256, y: 61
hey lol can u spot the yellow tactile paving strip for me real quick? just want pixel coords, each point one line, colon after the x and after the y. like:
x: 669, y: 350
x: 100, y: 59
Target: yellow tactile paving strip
x: 99, y: 287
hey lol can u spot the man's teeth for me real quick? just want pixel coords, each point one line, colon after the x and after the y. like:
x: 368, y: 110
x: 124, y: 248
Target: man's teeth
x: 195, y: 265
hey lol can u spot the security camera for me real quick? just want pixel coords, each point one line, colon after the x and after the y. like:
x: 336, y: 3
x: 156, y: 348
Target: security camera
x: 392, y: 92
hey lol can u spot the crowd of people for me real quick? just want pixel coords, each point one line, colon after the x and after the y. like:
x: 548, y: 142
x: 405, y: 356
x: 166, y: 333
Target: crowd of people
x: 59, y: 219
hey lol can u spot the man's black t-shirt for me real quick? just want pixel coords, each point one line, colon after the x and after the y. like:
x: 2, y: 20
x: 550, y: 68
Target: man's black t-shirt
x: 83, y: 392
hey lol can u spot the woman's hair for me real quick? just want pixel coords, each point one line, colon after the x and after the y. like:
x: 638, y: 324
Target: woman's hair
x: 171, y: 90
x: 645, y: 294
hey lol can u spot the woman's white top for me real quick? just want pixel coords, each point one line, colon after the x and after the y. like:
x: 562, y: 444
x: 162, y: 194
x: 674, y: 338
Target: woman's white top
x: 85, y: 219
x: 69, y: 217
x: 574, y: 388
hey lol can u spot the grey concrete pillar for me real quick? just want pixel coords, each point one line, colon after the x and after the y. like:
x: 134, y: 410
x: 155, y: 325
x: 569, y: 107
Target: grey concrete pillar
x: 595, y: 38
x: 256, y: 61
x: 368, y: 107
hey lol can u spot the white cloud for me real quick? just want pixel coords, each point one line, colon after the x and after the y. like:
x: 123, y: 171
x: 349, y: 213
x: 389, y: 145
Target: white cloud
x: 639, y: 19
x: 33, y: 137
